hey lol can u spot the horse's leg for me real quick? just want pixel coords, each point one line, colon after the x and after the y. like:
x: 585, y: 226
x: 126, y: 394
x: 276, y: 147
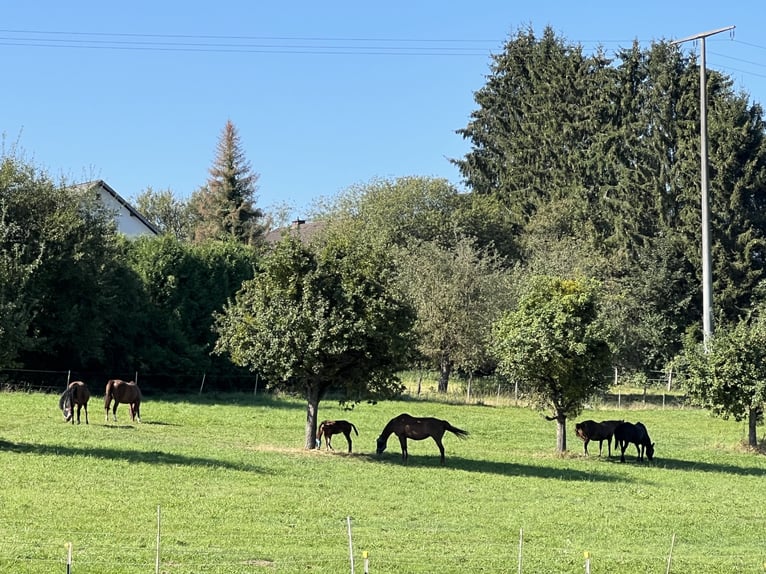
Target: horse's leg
x: 441, y: 448
x: 138, y: 411
x: 86, y: 413
x: 600, y: 446
x: 79, y: 407
x: 348, y: 438
x: 623, y: 446
x: 587, y: 440
x: 403, y: 443
x: 114, y: 411
x: 328, y: 439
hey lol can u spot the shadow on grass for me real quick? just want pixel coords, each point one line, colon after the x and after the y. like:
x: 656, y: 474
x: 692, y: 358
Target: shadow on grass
x: 698, y: 466
x: 132, y: 456
x: 236, y: 399
x: 502, y: 468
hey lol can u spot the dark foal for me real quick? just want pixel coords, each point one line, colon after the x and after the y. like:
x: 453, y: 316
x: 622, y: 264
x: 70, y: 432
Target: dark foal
x: 329, y: 428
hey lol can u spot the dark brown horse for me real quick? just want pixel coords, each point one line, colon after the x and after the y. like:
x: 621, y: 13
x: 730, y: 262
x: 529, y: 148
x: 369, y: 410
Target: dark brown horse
x: 603, y: 431
x: 76, y: 394
x: 637, y: 434
x: 329, y: 428
x: 123, y: 392
x: 405, y: 426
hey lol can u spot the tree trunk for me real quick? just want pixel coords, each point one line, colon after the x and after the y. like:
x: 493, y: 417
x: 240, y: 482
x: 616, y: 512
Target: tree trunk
x: 561, y: 432
x: 445, y: 368
x: 752, y: 421
x: 312, y: 408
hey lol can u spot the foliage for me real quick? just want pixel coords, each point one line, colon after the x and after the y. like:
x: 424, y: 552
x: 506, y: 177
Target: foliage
x: 167, y: 213
x: 729, y: 377
x: 18, y: 261
x: 225, y: 206
x: 184, y: 285
x: 596, y: 163
x: 457, y: 294
x: 552, y: 343
x: 320, y: 317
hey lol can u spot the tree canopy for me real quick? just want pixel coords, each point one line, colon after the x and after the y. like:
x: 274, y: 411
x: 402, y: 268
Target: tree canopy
x: 729, y: 377
x: 553, y: 344
x: 320, y: 317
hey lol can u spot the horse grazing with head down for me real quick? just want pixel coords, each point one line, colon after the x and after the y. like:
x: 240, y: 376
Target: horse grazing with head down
x: 123, y: 392
x: 603, y: 431
x: 405, y: 426
x: 329, y: 428
x: 76, y: 394
x: 637, y: 434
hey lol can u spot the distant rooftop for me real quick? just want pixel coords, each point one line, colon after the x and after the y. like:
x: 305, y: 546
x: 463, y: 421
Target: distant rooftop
x: 304, y: 230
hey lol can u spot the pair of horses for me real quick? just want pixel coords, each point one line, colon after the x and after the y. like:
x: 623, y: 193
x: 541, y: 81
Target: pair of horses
x: 403, y: 426
x: 77, y: 395
x: 624, y: 433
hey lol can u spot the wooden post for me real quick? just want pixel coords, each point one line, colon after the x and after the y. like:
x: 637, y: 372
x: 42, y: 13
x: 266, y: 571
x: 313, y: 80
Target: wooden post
x: 521, y: 544
x: 203, y: 382
x: 69, y: 558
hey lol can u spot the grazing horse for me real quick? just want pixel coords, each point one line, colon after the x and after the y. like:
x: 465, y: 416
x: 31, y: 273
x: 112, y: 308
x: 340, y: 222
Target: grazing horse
x: 76, y: 394
x: 329, y: 428
x: 405, y: 426
x: 123, y: 392
x: 603, y: 431
x: 634, y: 433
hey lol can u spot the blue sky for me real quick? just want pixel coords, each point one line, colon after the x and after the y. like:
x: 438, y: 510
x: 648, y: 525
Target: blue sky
x: 325, y: 95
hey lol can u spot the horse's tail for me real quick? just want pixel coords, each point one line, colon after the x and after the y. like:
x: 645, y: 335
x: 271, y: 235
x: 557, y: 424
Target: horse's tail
x: 321, y: 431
x: 108, y: 393
x: 459, y: 433
x: 353, y: 427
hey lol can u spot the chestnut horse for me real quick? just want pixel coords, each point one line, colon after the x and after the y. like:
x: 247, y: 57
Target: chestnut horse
x: 123, y: 392
x: 76, y: 394
x: 603, y: 431
x: 329, y: 428
x: 405, y: 426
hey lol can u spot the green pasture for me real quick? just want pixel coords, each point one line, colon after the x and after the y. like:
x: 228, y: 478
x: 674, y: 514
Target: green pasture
x: 237, y: 494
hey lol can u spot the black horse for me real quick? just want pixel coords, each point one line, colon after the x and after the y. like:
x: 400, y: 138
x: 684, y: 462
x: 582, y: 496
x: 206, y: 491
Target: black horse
x: 329, y: 428
x: 591, y: 430
x: 637, y: 434
x: 405, y: 426
x: 76, y: 394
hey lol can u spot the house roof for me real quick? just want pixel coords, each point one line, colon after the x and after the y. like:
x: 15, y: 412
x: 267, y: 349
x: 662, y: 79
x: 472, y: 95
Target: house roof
x: 100, y: 183
x: 304, y: 230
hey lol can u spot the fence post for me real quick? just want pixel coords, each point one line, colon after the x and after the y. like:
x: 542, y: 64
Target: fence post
x: 203, y: 382
x: 587, y: 562
x: 521, y: 545
x: 670, y: 554
x: 366, y: 563
x: 69, y: 558
x: 157, y: 560
x: 350, y: 545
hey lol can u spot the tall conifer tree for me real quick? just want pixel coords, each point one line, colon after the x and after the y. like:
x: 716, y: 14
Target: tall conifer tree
x: 226, y: 204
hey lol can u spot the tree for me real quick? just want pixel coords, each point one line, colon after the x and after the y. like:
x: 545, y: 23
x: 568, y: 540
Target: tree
x: 18, y: 262
x: 168, y: 214
x: 225, y: 206
x: 730, y: 377
x: 553, y: 345
x: 614, y: 145
x: 320, y: 317
x: 457, y: 293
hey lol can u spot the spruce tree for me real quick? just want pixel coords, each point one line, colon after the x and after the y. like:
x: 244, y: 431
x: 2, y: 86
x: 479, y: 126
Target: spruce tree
x: 226, y: 204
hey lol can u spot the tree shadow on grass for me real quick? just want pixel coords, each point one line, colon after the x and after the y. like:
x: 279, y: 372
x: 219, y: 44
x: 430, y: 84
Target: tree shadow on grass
x: 502, y: 468
x: 132, y: 456
x: 699, y: 466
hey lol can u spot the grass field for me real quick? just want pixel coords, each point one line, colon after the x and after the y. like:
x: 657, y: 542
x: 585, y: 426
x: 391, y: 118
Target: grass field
x: 238, y: 494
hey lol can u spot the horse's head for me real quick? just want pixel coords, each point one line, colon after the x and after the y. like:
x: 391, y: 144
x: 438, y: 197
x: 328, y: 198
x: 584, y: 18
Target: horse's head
x: 381, y: 445
x: 650, y: 451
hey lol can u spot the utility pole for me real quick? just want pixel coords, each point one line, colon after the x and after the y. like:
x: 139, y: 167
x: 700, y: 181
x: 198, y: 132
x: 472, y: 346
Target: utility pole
x: 707, y: 274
